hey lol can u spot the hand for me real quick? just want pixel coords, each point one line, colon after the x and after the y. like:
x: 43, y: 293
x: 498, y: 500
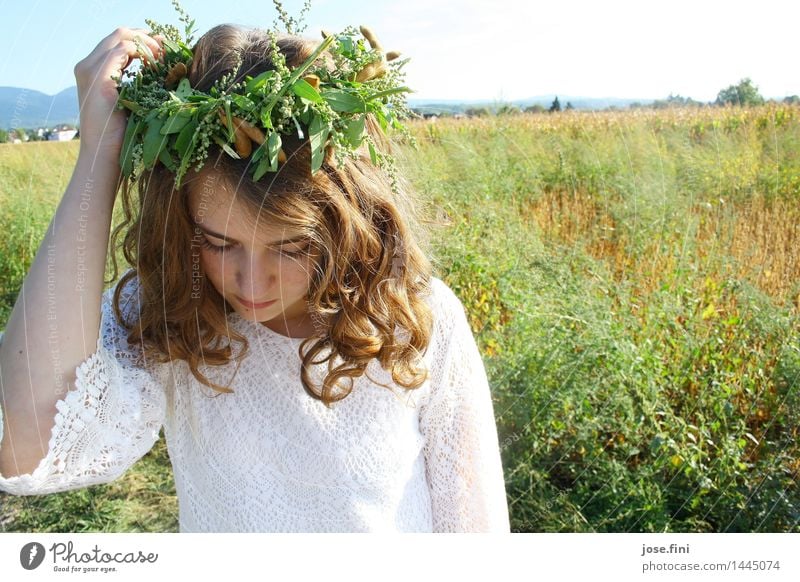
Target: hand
x: 102, y: 125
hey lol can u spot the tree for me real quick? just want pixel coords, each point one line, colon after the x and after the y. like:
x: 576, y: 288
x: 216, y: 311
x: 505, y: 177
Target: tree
x: 507, y: 109
x: 476, y: 112
x: 3, y: 136
x: 556, y: 106
x: 536, y: 108
x: 743, y: 94
x: 569, y: 106
x: 791, y: 99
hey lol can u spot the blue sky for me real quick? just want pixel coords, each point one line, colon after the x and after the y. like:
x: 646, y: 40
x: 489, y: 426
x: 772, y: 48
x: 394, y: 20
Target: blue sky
x: 468, y: 49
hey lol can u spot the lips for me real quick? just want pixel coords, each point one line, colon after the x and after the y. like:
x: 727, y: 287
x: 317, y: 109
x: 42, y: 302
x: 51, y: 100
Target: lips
x: 251, y: 305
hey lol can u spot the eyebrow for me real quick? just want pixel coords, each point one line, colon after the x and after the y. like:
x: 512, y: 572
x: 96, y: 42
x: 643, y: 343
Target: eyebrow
x: 296, y: 239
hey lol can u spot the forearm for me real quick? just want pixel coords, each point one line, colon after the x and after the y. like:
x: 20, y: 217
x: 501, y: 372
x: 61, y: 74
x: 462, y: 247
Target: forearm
x: 55, y: 323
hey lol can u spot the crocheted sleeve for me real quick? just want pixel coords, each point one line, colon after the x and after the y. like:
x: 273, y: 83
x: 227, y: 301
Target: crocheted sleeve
x: 106, y: 423
x: 462, y: 454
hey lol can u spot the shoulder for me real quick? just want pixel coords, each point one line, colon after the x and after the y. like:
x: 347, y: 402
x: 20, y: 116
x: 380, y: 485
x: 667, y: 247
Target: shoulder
x: 444, y: 303
x: 449, y: 315
x: 130, y: 299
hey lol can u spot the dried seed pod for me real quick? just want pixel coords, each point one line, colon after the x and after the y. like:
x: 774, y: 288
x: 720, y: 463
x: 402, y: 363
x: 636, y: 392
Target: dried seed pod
x: 281, y: 156
x: 325, y: 34
x: 371, y: 71
x: 392, y: 55
x: 312, y: 80
x: 176, y: 73
x: 371, y: 38
x: 243, y: 144
x: 251, y: 130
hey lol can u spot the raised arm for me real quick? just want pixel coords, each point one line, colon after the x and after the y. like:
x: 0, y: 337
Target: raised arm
x: 54, y: 325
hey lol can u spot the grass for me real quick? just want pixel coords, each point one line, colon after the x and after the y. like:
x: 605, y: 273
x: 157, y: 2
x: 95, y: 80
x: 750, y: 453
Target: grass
x: 632, y: 281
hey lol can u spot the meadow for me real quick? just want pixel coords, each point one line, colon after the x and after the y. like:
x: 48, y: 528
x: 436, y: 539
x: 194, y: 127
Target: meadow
x: 633, y: 281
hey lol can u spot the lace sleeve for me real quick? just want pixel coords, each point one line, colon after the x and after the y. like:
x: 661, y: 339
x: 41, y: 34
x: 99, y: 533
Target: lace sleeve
x: 106, y: 423
x: 462, y: 454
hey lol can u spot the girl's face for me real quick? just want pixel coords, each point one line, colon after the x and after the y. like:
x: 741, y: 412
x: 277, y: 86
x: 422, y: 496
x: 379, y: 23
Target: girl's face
x: 262, y: 270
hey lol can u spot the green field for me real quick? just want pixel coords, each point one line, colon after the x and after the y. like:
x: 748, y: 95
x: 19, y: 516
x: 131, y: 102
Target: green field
x: 633, y: 281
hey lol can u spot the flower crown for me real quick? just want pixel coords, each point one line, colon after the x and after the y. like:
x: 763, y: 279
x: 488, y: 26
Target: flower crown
x: 173, y: 123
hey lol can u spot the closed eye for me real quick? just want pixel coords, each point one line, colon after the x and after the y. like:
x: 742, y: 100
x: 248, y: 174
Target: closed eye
x: 220, y: 248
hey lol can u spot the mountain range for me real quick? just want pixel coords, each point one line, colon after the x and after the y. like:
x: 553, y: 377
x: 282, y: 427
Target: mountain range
x: 26, y: 108
x: 29, y: 109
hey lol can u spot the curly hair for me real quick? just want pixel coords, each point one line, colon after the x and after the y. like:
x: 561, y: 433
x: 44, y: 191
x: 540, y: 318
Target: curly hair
x: 371, y: 271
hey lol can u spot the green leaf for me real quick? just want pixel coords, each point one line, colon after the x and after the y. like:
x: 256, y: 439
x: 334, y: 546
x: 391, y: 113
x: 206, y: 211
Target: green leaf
x: 132, y: 105
x: 126, y: 155
x: 176, y: 122
x: 243, y: 102
x: 165, y: 158
x: 228, y: 150
x: 318, y: 136
x: 153, y: 142
x: 273, y: 148
x: 266, y: 117
x: 373, y: 155
x: 231, y: 135
x: 381, y: 119
x: 304, y: 89
x: 171, y: 45
x: 185, y: 138
x: 344, y: 102
x: 261, y: 169
x: 355, y: 131
x: 258, y: 153
x: 258, y: 82
x: 346, y: 45
x: 184, y: 88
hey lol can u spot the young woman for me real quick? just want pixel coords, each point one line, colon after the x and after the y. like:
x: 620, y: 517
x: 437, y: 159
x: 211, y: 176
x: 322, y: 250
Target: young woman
x: 309, y: 371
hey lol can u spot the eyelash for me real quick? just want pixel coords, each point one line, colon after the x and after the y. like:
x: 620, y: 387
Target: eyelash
x: 218, y: 249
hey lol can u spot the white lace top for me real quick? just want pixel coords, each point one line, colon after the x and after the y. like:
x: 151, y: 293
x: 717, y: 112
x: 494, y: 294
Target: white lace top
x: 270, y: 458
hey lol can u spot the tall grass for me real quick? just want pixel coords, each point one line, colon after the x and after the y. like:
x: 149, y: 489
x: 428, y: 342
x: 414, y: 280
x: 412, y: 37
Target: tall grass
x: 632, y: 281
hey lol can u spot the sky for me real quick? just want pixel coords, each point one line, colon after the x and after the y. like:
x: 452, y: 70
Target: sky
x: 494, y: 50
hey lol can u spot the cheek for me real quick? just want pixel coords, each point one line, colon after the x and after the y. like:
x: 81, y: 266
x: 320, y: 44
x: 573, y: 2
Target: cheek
x: 212, y: 266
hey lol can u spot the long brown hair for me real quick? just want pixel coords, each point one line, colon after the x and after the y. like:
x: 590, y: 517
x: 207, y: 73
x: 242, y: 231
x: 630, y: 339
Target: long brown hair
x: 371, y: 274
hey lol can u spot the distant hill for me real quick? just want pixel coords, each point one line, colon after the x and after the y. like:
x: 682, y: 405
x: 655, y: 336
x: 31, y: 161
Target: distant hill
x: 30, y: 109
x: 459, y: 106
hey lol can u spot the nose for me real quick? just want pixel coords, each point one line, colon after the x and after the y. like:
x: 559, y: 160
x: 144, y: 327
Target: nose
x: 256, y: 277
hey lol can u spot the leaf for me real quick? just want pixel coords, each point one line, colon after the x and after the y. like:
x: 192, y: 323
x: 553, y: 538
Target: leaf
x: 261, y: 169
x: 132, y: 105
x: 303, y: 88
x: 226, y: 148
x: 346, y: 45
x: 171, y: 45
x: 243, y: 102
x: 176, y: 122
x: 184, y: 89
x: 258, y: 153
x: 273, y: 148
x: 229, y: 117
x: 373, y: 155
x: 258, y: 82
x: 355, y: 131
x: 126, y: 154
x: 184, y: 139
x: 165, y: 158
x: 344, y: 102
x: 318, y: 135
x: 266, y: 117
x: 153, y: 142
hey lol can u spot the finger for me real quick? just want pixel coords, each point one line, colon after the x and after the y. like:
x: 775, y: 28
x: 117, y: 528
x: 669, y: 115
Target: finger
x: 124, y: 33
